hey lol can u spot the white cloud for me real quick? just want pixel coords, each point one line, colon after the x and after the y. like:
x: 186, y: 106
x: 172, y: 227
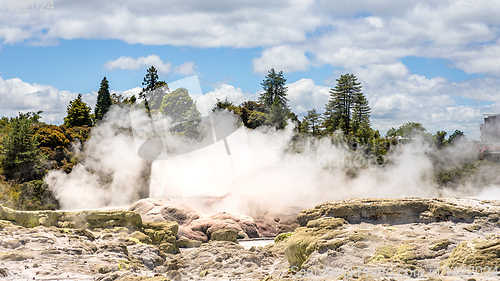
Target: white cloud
x: 129, y: 63
x: 283, y: 58
x: 304, y: 95
x: 139, y: 63
x: 336, y: 32
x: 18, y: 96
x: 186, y: 69
x: 223, y: 91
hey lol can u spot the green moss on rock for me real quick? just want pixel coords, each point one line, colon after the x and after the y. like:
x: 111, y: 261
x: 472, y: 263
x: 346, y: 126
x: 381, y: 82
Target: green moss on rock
x: 478, y: 252
x: 398, y: 210
x: 316, y: 236
x: 224, y: 235
x: 282, y: 237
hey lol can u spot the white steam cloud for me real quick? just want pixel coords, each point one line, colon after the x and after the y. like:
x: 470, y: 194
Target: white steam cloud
x: 251, y: 170
x: 110, y: 173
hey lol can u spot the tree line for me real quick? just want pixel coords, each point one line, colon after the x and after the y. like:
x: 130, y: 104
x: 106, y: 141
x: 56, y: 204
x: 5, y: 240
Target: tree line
x: 30, y: 148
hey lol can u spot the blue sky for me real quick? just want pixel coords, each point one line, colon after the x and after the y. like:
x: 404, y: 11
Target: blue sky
x: 431, y: 62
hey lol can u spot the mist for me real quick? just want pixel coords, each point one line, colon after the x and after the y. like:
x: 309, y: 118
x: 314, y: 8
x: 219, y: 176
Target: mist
x: 245, y: 171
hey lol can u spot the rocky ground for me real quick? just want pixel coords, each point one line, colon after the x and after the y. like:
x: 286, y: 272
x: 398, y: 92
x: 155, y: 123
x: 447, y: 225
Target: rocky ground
x: 358, y: 239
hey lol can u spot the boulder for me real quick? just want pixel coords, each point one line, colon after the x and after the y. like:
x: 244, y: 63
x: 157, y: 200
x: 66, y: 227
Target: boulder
x: 403, y: 210
x: 318, y: 235
x: 194, y: 225
x: 477, y: 253
x: 224, y: 235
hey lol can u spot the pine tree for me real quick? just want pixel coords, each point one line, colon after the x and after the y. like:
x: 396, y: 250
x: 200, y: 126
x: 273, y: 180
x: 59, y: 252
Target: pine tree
x: 274, y: 98
x: 313, y: 120
x: 361, y: 112
x: 347, y: 105
x: 150, y: 80
x: 277, y: 115
x: 78, y: 113
x: 103, y: 100
x: 154, y: 89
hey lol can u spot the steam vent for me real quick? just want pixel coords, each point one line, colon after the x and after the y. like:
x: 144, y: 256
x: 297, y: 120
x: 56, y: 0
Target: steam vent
x: 490, y: 138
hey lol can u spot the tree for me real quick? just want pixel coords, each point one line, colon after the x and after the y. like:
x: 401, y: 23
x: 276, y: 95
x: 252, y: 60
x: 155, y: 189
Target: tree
x: 347, y: 107
x: 252, y: 114
x: 119, y: 99
x: 180, y: 107
x: 154, y: 90
x: 407, y: 130
x: 361, y: 113
x: 312, y: 121
x: 440, y: 139
x: 274, y: 98
x: 103, y: 100
x: 221, y: 105
x: 456, y: 136
x: 150, y: 80
x: 21, y: 157
x: 277, y: 115
x: 78, y: 113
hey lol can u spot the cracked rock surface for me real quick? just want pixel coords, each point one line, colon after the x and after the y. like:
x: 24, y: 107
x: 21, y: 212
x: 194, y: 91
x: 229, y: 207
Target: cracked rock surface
x: 357, y: 239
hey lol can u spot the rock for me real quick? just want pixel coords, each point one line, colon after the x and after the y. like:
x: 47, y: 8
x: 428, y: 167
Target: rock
x: 405, y: 210
x: 224, y: 235
x: 373, y: 241
x: 84, y: 232
x: 440, y: 244
x: 143, y: 278
x: 163, y: 234
x: 147, y: 254
x: 67, y: 219
x: 104, y: 268
x: 188, y: 243
x: 315, y: 236
x: 287, y: 224
x: 266, y: 226
x: 478, y: 253
x: 282, y: 237
x: 192, y: 224
x: 4, y: 272
x: 5, y: 223
x: 141, y: 237
x: 16, y: 255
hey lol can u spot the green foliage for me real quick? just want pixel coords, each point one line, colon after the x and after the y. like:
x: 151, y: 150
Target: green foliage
x: 457, y: 136
x: 274, y: 99
x: 78, y: 113
x: 439, y: 139
x: 252, y: 114
x: 347, y: 108
x: 154, y: 90
x: 56, y: 144
x: 21, y: 158
x: 180, y: 107
x: 407, y: 130
x: 282, y: 237
x: 221, y: 105
x: 150, y: 80
x: 277, y: 115
x: 36, y: 195
x: 311, y: 123
x: 103, y: 100
x: 121, y: 100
